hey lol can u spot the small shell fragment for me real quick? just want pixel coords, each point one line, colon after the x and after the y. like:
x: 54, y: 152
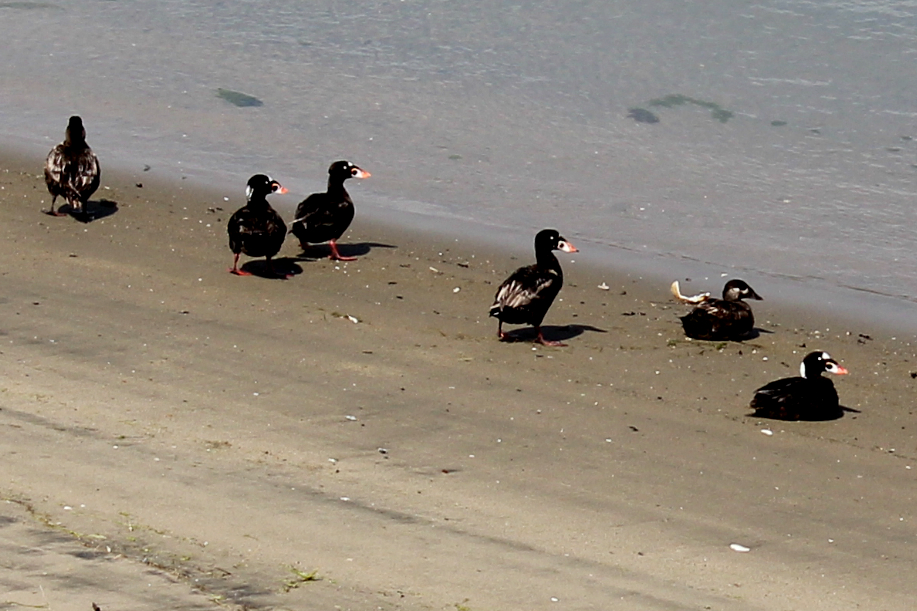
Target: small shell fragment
x: 739, y: 548
x: 351, y: 418
x: 604, y: 287
x: 767, y: 432
x: 353, y: 319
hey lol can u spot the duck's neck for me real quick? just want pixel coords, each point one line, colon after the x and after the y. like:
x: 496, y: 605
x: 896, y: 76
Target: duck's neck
x: 545, y: 258
x: 74, y: 139
x: 336, y: 186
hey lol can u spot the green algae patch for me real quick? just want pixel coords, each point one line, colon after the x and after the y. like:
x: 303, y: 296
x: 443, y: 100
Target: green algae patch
x: 243, y: 100
x: 677, y: 99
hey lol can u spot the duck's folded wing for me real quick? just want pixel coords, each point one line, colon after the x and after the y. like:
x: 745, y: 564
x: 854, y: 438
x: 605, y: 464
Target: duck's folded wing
x: 522, y: 288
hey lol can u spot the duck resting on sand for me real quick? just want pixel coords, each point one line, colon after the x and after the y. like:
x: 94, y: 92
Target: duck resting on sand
x: 729, y: 318
x: 807, y: 397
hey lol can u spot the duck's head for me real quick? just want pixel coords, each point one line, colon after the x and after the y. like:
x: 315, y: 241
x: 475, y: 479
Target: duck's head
x: 736, y: 290
x: 75, y: 130
x: 342, y: 170
x: 262, y: 185
x: 817, y: 362
x: 550, y: 239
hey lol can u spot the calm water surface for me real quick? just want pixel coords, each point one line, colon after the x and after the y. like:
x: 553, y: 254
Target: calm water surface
x: 785, y: 148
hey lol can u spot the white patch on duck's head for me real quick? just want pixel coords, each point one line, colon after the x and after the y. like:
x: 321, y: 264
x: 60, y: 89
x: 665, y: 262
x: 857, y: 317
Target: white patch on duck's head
x: 827, y: 364
x: 261, y: 181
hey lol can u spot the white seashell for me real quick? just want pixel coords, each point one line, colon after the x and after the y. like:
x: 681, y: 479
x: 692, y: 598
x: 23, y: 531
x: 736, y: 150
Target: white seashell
x: 739, y: 548
x: 767, y: 432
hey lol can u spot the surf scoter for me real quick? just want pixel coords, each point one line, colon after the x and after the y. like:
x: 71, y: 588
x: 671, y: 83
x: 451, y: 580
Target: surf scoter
x: 728, y: 318
x: 256, y: 229
x: 72, y: 169
x: 807, y: 397
x: 525, y: 297
x: 324, y: 217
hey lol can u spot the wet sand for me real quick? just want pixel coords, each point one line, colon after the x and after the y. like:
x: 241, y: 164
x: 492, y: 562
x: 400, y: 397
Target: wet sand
x: 356, y: 437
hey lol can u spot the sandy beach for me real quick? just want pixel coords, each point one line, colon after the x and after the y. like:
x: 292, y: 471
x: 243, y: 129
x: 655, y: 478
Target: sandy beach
x: 355, y: 437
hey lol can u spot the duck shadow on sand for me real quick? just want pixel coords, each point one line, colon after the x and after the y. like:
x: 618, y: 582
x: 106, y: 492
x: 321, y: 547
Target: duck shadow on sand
x: 92, y: 210
x: 756, y: 333
x: 821, y: 417
x: 323, y: 251
x: 553, y: 333
x: 283, y: 268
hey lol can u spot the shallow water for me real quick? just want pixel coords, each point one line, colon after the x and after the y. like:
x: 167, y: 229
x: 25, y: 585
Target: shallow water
x: 784, y: 146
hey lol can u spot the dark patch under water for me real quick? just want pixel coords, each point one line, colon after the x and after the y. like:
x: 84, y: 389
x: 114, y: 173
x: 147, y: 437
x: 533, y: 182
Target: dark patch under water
x: 238, y: 99
x: 30, y: 5
x: 677, y: 99
x: 642, y: 115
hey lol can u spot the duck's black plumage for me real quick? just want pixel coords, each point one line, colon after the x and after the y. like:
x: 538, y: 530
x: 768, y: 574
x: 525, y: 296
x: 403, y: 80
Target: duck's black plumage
x: 72, y: 170
x: 807, y: 397
x: 324, y: 217
x: 525, y: 297
x: 256, y: 229
x: 729, y: 318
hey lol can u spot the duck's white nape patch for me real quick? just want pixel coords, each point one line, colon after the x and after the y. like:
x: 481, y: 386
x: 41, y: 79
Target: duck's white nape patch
x: 802, y: 369
x: 248, y: 192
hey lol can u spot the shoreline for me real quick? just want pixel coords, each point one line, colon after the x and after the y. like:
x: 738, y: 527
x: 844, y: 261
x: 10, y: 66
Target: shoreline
x: 808, y: 300
x: 227, y: 430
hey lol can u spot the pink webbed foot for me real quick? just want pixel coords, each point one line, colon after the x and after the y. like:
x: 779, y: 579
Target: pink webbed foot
x: 337, y: 256
x: 547, y: 342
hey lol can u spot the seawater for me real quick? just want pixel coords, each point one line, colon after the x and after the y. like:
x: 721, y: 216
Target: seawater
x: 774, y: 140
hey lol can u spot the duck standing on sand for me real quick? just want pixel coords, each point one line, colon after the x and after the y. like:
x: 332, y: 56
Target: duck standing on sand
x: 256, y: 229
x: 324, y: 217
x: 525, y: 297
x: 72, y: 170
x: 807, y: 397
x: 728, y: 318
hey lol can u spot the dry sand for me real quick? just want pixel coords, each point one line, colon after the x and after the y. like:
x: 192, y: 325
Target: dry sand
x: 175, y: 437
